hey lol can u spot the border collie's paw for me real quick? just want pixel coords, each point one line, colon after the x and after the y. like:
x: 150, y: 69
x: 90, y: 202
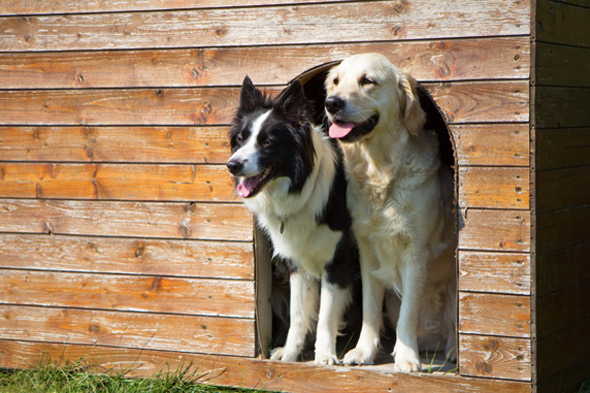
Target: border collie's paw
x: 326, y: 359
x: 279, y: 353
x: 359, y: 356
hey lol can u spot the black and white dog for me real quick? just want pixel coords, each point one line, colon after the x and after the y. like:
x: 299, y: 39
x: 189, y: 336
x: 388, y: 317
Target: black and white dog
x: 290, y: 175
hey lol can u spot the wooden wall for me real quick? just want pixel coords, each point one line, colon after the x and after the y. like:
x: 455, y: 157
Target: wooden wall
x: 120, y: 234
x: 562, y: 175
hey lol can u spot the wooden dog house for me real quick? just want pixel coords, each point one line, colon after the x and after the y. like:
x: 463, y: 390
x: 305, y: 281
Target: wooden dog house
x: 122, y: 242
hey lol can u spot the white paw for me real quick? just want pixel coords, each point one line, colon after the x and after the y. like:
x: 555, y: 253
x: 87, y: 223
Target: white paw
x: 406, y: 360
x: 326, y: 359
x: 279, y: 353
x: 359, y: 356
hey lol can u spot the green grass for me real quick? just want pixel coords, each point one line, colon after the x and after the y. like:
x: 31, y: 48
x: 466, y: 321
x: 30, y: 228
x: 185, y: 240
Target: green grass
x: 76, y: 379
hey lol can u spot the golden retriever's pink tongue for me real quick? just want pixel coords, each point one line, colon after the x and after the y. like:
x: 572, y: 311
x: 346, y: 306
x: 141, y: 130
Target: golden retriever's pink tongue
x: 340, y: 130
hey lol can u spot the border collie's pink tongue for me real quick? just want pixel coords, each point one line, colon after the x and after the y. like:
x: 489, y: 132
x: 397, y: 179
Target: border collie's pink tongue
x: 340, y: 130
x: 247, y: 184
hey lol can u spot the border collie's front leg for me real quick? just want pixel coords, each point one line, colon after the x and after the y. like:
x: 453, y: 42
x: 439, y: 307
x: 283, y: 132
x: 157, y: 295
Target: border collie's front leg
x: 303, y: 312
x: 333, y: 302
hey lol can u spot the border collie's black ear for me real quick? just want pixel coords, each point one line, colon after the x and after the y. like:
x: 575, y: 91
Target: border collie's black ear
x: 250, y: 96
x: 293, y: 100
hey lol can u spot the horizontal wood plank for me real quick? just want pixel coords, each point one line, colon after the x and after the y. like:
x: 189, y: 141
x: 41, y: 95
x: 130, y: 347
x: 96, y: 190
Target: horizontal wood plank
x: 299, y: 24
x: 494, y: 230
x: 562, y: 188
x: 460, y: 102
x: 562, y: 23
x: 562, y: 269
x: 482, y: 102
x: 16, y: 7
x: 562, y: 148
x: 563, y: 350
x: 205, y: 221
x: 561, y: 107
x: 498, y: 187
x: 184, y: 258
x: 181, y: 333
x: 205, y: 183
x: 495, y: 357
x: 230, y: 298
x: 427, y: 61
x: 491, y: 145
x: 562, y: 309
x: 494, y: 272
x: 250, y: 373
x: 559, y: 65
x: 494, y: 314
x: 562, y: 229
x: 199, y: 145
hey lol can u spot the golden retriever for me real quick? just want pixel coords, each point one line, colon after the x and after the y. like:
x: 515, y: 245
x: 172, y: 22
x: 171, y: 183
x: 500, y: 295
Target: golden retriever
x: 401, y: 198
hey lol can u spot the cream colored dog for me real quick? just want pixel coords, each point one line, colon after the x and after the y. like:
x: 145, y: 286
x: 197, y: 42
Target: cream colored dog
x: 401, y: 200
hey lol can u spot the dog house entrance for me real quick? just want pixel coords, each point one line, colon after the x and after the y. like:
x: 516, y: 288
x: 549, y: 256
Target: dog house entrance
x: 272, y: 274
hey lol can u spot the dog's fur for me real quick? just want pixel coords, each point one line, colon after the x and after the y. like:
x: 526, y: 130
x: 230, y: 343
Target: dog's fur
x: 291, y: 177
x: 401, y: 201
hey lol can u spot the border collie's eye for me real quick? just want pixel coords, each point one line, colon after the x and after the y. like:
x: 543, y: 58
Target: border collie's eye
x: 239, y: 138
x: 365, y: 81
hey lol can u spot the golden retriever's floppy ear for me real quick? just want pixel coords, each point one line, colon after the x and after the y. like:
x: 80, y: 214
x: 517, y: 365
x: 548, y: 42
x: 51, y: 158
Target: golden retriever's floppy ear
x: 414, y: 115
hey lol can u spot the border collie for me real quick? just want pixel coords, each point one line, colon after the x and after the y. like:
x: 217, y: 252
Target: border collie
x: 290, y: 175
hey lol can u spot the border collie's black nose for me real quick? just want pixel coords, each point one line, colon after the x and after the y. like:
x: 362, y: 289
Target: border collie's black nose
x: 235, y: 166
x: 334, y: 104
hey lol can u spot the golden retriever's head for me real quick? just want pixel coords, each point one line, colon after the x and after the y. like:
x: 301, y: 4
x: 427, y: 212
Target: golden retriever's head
x: 365, y: 93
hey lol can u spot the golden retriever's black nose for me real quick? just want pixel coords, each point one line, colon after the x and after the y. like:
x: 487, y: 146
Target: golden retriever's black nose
x: 235, y: 166
x: 334, y: 104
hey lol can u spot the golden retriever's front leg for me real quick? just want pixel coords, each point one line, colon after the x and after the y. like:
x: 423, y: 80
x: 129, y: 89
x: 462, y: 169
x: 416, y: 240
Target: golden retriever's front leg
x: 405, y: 351
x: 368, y: 343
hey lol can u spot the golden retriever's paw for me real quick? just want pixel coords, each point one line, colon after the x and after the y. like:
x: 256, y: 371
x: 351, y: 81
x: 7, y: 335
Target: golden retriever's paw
x: 326, y: 359
x: 281, y: 354
x: 359, y: 356
x: 406, y: 360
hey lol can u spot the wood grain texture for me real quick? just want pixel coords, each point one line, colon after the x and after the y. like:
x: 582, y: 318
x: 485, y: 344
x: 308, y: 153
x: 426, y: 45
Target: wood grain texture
x: 561, y: 269
x: 231, y: 298
x: 494, y: 314
x: 73, y: 6
x: 498, y: 187
x: 562, y: 229
x: 508, y: 273
x: 471, y: 59
x: 489, y: 102
x: 562, y: 350
x: 562, y: 188
x: 205, y: 221
x: 252, y: 373
x: 559, y: 65
x: 198, y: 145
x: 494, y: 230
x: 562, y: 148
x: 184, y: 258
x: 561, y: 23
x: 562, y: 309
x: 203, y: 183
x: 495, y: 357
x: 561, y: 107
x: 491, y: 144
x: 181, y: 333
x: 460, y: 102
x: 300, y: 24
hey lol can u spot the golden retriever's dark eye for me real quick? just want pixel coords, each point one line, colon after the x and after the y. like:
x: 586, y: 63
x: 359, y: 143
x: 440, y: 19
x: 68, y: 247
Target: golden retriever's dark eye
x: 365, y: 81
x: 335, y: 81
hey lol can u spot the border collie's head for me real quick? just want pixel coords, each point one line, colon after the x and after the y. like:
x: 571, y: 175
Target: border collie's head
x: 271, y: 139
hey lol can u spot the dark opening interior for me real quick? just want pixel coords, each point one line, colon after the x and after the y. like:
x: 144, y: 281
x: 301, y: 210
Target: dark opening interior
x: 313, y: 84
